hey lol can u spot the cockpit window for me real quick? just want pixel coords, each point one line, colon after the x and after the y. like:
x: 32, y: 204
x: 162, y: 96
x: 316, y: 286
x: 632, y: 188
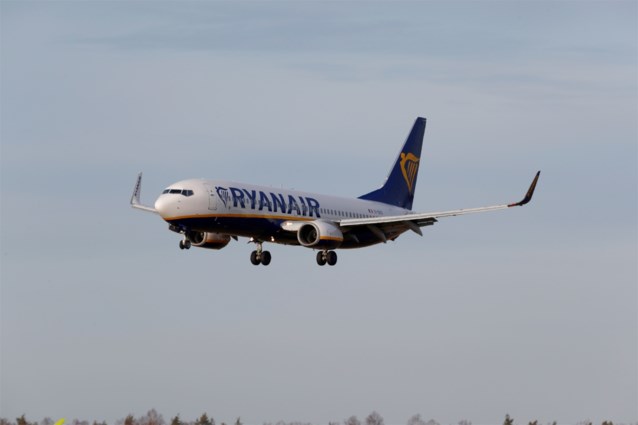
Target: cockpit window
x: 185, y: 192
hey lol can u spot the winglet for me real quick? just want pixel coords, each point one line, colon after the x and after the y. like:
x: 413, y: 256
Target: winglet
x: 529, y: 194
x: 135, y: 198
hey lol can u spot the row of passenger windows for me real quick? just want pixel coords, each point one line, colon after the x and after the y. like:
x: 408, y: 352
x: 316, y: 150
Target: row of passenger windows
x: 185, y: 192
x: 324, y: 211
x: 346, y: 214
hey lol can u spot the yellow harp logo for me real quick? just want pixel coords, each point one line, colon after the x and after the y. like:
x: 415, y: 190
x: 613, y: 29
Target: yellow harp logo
x: 409, y: 168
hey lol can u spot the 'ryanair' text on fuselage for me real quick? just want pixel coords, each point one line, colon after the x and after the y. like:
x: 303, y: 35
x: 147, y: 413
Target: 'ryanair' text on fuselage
x: 276, y: 202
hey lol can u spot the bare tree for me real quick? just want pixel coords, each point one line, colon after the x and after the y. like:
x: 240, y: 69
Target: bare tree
x: 533, y: 423
x: 508, y: 420
x: 151, y: 418
x: 465, y: 422
x: 352, y: 420
x: 374, y: 418
x: 416, y: 420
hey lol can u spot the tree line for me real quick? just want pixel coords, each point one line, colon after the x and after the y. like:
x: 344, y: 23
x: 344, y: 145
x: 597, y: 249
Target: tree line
x: 152, y: 417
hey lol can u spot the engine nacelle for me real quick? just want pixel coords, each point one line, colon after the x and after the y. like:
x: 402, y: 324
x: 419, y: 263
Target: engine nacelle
x: 320, y: 234
x: 208, y: 240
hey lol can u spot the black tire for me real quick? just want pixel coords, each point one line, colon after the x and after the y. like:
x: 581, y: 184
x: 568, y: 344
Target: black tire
x: 321, y: 260
x: 187, y: 244
x: 265, y: 258
x: 254, y: 258
x: 181, y: 244
x: 332, y: 258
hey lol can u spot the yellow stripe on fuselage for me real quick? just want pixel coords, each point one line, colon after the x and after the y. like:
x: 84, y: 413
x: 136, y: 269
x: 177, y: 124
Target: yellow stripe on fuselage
x: 330, y: 238
x: 267, y: 217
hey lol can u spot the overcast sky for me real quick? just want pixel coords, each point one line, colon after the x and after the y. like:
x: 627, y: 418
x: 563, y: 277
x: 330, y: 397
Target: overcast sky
x: 530, y: 311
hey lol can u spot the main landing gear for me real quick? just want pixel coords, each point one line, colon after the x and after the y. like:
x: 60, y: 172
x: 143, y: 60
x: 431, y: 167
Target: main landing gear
x: 259, y: 256
x: 324, y: 257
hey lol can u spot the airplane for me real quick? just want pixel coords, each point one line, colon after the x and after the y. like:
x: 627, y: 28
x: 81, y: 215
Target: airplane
x: 209, y: 213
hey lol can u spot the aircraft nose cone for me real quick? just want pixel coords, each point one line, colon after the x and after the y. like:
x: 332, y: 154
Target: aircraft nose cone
x: 163, y: 206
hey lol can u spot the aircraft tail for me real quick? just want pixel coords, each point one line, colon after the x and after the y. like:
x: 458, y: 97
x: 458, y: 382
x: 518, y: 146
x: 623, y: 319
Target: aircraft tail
x: 399, y: 186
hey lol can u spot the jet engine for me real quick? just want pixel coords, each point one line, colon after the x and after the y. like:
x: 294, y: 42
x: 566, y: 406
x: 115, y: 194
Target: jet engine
x: 208, y: 240
x: 320, y: 234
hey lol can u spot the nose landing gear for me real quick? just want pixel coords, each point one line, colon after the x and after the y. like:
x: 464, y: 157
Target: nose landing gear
x: 329, y: 257
x: 185, y: 244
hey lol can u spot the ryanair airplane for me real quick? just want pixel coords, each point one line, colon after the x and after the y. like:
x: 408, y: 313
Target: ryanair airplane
x: 208, y: 213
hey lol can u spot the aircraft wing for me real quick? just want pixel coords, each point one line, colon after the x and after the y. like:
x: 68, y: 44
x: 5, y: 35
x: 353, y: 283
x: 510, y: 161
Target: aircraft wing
x: 415, y: 221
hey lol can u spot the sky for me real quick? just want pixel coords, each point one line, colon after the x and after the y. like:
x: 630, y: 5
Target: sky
x: 531, y: 311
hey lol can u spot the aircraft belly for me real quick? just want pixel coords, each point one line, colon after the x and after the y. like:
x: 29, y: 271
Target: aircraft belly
x: 269, y: 230
x: 259, y: 228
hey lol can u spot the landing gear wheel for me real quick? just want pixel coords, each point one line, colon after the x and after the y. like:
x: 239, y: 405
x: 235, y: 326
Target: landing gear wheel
x: 187, y: 244
x: 331, y: 258
x: 265, y: 258
x: 254, y: 258
x: 259, y: 256
x: 321, y: 258
x: 181, y: 244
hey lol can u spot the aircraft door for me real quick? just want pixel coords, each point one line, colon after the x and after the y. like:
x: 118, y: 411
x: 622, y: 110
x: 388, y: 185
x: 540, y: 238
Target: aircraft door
x: 212, y: 198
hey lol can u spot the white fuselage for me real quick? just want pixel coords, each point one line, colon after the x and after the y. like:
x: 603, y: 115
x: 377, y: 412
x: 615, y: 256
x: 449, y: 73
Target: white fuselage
x: 240, y: 209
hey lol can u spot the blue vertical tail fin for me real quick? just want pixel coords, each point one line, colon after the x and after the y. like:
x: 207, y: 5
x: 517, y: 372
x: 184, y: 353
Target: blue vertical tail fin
x: 399, y: 186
